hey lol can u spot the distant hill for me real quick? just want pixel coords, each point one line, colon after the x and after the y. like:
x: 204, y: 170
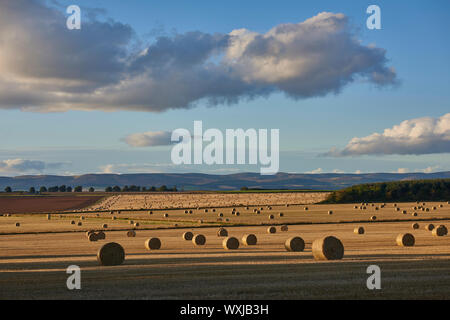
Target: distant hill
x: 198, y: 181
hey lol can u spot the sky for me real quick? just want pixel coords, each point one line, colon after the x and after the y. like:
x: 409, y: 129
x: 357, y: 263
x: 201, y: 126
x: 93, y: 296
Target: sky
x: 105, y: 98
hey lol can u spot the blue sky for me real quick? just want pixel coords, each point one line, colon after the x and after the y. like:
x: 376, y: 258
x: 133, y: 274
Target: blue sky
x: 414, y: 35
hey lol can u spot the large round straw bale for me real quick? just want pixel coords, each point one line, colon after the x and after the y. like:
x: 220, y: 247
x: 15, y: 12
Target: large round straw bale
x: 49, y: 217
x: 284, y: 228
x: 230, y: 243
x: 281, y: 214
x: 249, y: 240
x: 355, y: 207
x: 130, y: 221
x: 404, y: 212
x: 72, y: 222
x: 150, y: 212
x: 206, y: 210
x: 271, y: 230
x: 153, y: 244
x: 359, y: 230
x: 166, y: 215
x: 222, y: 232
x: 373, y: 218
x: 414, y: 214
x: 429, y: 227
x: 441, y: 206
x: 220, y: 215
x: 330, y: 212
x: 237, y: 214
x: 17, y: 224
x: 104, y: 226
x: 199, y: 240
x: 415, y: 226
x: 258, y: 212
x: 440, y: 231
x: 92, y: 237
x: 405, y: 240
x: 213, y: 210
x: 137, y: 224
x: 328, y: 248
x: 79, y: 224
x: 271, y: 217
x: 113, y: 218
x: 434, y: 208
x: 81, y: 218
x: 295, y: 244
x: 111, y: 254
x: 186, y: 211
x: 131, y: 234
x: 188, y: 236
x: 306, y: 208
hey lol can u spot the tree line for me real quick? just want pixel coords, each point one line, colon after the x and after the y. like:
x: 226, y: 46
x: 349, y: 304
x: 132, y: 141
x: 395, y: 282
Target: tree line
x: 414, y: 190
x: 131, y: 188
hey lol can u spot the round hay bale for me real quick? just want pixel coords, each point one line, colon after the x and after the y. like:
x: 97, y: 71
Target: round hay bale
x: 404, y: 212
x: 101, y: 235
x: 271, y: 217
x: 206, y: 210
x: 49, y: 217
x: 440, y: 231
x: 271, y: 230
x: 330, y: 212
x: 153, y: 244
x: 130, y: 222
x: 429, y: 227
x: 79, y: 224
x: 355, y: 207
x: 199, y: 240
x: 258, y: 212
x: 359, y: 230
x: 373, y: 218
x: 186, y: 211
x: 72, y: 222
x: 306, y: 209
x: 281, y: 214
x: 200, y: 221
x: 113, y: 218
x: 414, y: 214
x: 237, y: 214
x: 295, y: 244
x: 92, y: 237
x: 17, y: 224
x: 188, y: 236
x: 434, y: 208
x: 131, y: 234
x: 227, y: 220
x: 328, y: 248
x: 222, y: 232
x: 249, y: 240
x: 230, y: 243
x: 111, y: 254
x: 415, y: 226
x: 191, y: 212
x: 150, y: 213
x: 81, y: 218
x: 405, y: 240
x: 213, y: 210
x: 166, y: 215
x: 104, y: 226
x: 441, y: 206
x: 137, y: 224
x: 284, y: 228
x: 220, y: 215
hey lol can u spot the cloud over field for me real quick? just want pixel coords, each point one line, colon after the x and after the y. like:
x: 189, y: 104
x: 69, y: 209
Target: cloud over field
x: 46, y: 67
x: 417, y: 136
x: 22, y: 166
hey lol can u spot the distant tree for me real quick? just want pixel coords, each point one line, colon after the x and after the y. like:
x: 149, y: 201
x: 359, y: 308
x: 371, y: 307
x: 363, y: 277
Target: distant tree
x: 174, y: 189
x: 144, y: 189
x: 8, y: 189
x: 69, y: 189
x: 116, y: 189
x: 53, y: 189
x: 244, y: 189
x: 62, y: 188
x: 108, y: 189
x: 78, y: 189
x: 43, y: 189
x: 125, y: 189
x: 32, y: 190
x: 162, y: 188
x: 91, y: 189
x: 153, y: 189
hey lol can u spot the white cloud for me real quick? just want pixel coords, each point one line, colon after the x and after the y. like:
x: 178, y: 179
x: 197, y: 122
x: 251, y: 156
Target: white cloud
x: 46, y: 67
x: 149, y: 139
x: 416, y: 136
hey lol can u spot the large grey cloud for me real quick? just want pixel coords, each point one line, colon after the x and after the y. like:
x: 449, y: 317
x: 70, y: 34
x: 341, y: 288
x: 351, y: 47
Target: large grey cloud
x: 22, y: 165
x: 46, y: 67
x: 416, y: 136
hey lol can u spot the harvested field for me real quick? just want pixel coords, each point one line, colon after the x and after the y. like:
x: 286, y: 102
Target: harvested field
x: 204, y: 200
x: 34, y: 257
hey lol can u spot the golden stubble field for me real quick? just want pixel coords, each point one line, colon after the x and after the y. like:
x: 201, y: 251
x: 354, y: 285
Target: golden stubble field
x: 34, y: 256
